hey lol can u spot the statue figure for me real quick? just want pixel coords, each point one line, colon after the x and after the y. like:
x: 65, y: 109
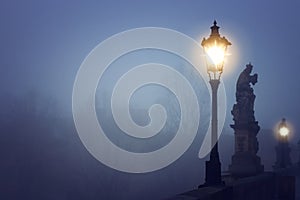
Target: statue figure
x: 244, y: 80
x: 243, y: 110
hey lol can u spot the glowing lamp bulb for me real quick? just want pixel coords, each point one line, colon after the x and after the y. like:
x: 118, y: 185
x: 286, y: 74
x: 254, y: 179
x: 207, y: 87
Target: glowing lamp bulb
x: 284, y: 131
x: 216, y: 54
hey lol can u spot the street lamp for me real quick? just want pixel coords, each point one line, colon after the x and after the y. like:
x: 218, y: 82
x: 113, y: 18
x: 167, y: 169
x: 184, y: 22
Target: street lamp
x: 282, y: 149
x: 215, y: 49
x: 283, y: 130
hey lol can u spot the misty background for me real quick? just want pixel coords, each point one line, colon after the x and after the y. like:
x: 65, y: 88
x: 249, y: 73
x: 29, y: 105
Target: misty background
x: 43, y: 45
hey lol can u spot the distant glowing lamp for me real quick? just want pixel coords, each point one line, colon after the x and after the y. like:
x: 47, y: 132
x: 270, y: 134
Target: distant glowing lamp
x: 283, y: 129
x: 215, y: 49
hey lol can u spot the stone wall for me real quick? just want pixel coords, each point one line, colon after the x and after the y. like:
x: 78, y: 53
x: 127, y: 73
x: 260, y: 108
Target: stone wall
x: 267, y: 186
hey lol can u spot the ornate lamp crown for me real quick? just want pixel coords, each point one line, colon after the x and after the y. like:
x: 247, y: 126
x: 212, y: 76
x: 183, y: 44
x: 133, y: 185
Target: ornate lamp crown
x: 215, y: 49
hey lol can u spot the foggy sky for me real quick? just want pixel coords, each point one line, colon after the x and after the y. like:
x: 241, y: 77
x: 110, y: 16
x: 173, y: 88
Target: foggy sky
x: 44, y: 43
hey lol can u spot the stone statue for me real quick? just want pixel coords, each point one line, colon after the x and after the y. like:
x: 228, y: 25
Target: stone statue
x: 243, y: 110
x: 245, y: 162
x: 245, y: 79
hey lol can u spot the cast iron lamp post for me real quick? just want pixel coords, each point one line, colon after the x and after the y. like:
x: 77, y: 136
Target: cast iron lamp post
x: 215, y: 49
x: 283, y: 159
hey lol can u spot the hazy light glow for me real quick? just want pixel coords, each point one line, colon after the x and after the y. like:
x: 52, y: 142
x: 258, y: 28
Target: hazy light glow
x: 216, y: 54
x: 284, y: 131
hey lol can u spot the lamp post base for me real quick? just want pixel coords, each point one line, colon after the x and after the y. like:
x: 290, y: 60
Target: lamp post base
x: 283, y: 158
x: 213, y: 173
x: 213, y: 176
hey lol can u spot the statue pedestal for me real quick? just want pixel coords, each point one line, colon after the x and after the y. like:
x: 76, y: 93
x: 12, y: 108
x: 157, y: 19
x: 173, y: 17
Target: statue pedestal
x: 245, y: 162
